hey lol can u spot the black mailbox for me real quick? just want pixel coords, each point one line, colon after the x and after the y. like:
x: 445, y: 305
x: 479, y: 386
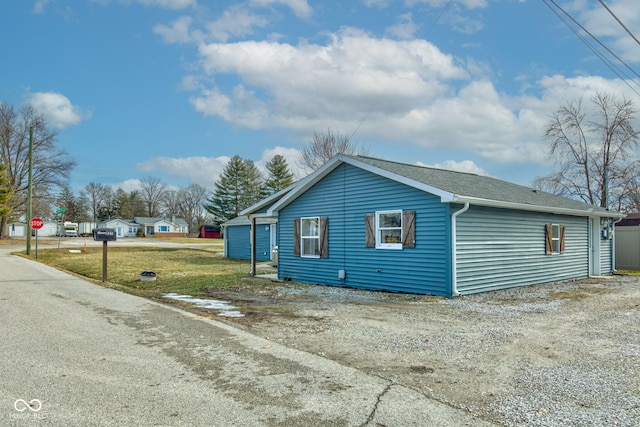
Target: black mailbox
x: 104, y: 234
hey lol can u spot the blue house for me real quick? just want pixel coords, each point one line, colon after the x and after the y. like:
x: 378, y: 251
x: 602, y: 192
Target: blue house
x: 237, y: 238
x: 374, y: 224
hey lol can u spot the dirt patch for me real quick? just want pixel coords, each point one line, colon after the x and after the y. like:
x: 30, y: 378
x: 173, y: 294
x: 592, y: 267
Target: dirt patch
x: 522, y: 356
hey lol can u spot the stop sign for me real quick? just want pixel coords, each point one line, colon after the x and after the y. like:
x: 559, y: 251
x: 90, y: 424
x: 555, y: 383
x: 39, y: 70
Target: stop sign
x: 36, y: 223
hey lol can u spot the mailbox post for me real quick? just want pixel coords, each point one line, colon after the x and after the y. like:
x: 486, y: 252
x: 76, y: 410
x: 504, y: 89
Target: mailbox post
x: 104, y: 235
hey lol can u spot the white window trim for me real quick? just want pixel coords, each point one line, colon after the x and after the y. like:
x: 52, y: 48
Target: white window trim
x: 379, y: 243
x: 302, y: 237
x: 555, y: 241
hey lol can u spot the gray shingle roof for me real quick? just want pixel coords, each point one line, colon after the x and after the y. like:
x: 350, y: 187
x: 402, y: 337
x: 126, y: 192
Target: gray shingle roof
x: 468, y: 185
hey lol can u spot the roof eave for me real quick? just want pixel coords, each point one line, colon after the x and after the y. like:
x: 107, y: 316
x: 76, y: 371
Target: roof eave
x: 527, y: 207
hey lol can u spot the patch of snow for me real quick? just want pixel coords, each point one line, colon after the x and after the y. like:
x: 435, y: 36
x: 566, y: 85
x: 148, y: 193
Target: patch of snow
x: 225, y: 309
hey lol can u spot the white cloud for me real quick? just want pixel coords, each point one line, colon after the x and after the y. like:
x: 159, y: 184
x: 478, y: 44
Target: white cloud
x: 600, y: 23
x: 380, y: 4
x: 40, y: 6
x: 206, y: 170
x: 299, y: 7
x: 292, y: 156
x: 470, y: 4
x: 405, y: 28
x: 468, y: 166
x: 397, y: 91
x: 199, y: 170
x: 311, y: 84
x: 57, y: 109
x: 178, y: 32
x: 235, y: 22
x: 127, y: 185
x: 170, y: 4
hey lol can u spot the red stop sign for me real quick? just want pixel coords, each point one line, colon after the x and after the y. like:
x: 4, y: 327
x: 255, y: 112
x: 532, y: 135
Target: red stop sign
x: 36, y: 223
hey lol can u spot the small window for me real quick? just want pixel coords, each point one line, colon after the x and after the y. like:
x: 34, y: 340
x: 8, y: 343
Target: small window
x: 389, y: 230
x: 310, y: 237
x: 555, y: 239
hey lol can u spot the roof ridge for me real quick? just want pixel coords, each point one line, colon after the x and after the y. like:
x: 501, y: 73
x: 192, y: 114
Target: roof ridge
x: 421, y: 166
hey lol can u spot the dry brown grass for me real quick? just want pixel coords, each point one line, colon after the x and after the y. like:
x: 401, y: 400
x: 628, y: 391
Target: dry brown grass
x: 181, y: 270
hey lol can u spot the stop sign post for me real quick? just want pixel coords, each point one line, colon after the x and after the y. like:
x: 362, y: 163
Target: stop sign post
x: 36, y: 223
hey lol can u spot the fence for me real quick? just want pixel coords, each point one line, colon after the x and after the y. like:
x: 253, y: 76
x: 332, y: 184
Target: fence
x: 628, y: 248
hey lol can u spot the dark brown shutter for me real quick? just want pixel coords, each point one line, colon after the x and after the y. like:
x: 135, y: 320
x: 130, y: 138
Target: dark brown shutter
x: 370, y: 230
x: 324, y: 237
x: 561, y: 239
x: 296, y: 237
x: 408, y: 229
x: 548, y: 239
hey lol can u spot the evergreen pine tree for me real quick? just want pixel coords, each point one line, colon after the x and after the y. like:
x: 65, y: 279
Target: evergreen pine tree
x: 280, y: 176
x: 238, y: 187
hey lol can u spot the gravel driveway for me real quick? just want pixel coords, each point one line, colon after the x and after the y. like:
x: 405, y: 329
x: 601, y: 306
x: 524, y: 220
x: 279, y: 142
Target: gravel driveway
x: 555, y: 355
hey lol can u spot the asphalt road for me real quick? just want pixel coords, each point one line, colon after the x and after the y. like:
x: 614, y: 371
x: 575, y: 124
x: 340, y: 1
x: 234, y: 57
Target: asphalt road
x: 73, y: 353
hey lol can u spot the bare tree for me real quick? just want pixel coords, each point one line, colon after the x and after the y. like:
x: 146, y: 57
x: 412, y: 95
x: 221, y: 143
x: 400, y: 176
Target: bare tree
x: 324, y: 146
x: 51, y: 166
x: 192, y: 199
x: 592, y: 150
x: 152, y: 190
x: 5, y: 192
x: 97, y: 195
x: 171, y: 203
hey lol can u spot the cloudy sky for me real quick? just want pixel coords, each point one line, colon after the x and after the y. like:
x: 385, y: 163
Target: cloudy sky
x: 174, y: 88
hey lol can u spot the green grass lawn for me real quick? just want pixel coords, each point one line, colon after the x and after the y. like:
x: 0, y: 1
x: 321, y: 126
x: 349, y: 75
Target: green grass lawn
x: 180, y: 270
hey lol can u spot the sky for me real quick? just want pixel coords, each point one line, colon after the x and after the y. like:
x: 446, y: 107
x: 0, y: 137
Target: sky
x: 175, y: 88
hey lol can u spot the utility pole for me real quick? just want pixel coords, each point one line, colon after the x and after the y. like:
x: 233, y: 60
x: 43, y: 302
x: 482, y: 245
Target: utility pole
x: 30, y: 189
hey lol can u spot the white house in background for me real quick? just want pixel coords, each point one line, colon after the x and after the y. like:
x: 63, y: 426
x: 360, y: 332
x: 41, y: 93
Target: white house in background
x: 49, y: 229
x: 17, y: 229
x: 151, y: 226
x: 145, y: 226
x: 123, y: 228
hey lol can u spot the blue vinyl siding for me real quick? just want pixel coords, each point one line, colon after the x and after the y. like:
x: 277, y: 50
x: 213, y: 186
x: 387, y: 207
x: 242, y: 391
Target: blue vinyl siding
x: 345, y: 196
x: 238, y: 241
x: 501, y: 248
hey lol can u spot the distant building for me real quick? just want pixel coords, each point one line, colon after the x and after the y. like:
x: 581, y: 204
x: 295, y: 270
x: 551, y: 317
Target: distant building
x: 209, y: 232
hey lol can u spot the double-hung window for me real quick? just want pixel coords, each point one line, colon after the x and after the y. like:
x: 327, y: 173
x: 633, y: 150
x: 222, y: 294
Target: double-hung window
x: 389, y: 229
x: 392, y: 229
x: 310, y: 237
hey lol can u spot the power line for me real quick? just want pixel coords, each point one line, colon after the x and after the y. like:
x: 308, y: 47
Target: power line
x: 619, y: 22
x: 614, y: 68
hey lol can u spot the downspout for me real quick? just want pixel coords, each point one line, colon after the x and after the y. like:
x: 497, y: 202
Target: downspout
x: 454, y: 251
x: 253, y: 245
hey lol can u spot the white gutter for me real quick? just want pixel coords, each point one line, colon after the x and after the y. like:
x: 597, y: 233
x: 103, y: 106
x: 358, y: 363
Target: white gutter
x: 531, y: 207
x: 454, y: 250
